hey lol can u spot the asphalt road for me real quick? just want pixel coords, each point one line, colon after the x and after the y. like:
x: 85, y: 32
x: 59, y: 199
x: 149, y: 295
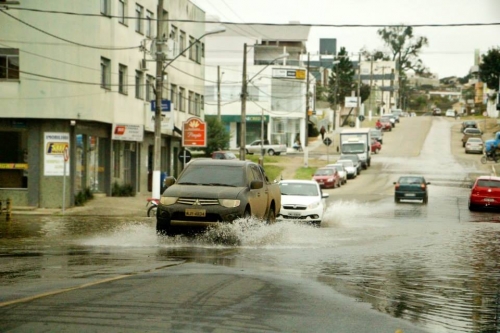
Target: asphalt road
x: 373, y: 266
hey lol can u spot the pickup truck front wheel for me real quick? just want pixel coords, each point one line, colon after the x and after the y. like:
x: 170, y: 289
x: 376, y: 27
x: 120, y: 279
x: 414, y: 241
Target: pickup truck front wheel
x: 163, y: 227
x: 271, y: 216
x: 270, y: 152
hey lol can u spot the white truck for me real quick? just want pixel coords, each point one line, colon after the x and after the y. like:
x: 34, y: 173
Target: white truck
x: 357, y: 141
x: 270, y: 149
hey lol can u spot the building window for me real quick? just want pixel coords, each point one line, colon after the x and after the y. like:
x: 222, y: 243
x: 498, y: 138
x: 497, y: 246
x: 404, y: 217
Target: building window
x: 173, y: 94
x: 174, y: 33
x: 181, y: 102
x: 122, y: 79
x: 202, y: 102
x: 191, y: 106
x: 182, y: 42
x: 165, y: 24
x: 122, y: 11
x: 139, y: 78
x: 105, y: 73
x: 192, y: 50
x: 149, y: 23
x: 139, y: 14
x: 197, y: 107
x: 150, y: 81
x: 9, y: 64
x: 202, y: 50
x: 105, y: 10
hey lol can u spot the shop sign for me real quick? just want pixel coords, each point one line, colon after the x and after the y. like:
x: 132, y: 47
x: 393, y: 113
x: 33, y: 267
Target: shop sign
x: 194, y: 133
x: 55, y: 145
x: 127, y: 132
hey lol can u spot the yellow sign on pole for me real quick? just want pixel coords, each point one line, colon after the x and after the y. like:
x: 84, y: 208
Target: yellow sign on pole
x: 300, y: 74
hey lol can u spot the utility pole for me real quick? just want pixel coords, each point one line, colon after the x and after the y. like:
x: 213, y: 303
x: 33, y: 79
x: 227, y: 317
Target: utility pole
x: 371, y: 83
x: 159, y: 90
x: 243, y: 130
x: 358, y: 100
x: 306, y: 130
x: 336, y: 92
x: 218, y: 93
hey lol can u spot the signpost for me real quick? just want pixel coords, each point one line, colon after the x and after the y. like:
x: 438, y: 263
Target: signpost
x: 66, y: 159
x: 184, y: 156
x: 327, y: 141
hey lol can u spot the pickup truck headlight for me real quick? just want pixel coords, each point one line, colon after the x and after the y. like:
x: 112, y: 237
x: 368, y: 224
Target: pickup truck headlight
x: 313, y: 205
x: 229, y: 203
x: 168, y: 200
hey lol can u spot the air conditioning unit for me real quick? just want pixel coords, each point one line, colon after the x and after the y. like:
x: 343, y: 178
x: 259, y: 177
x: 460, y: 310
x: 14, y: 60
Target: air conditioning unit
x: 172, y: 49
x: 143, y: 65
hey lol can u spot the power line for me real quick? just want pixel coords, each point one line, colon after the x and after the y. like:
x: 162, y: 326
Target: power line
x: 67, y: 40
x: 296, y: 24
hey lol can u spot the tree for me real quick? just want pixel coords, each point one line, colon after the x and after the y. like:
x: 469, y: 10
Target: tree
x: 217, y: 136
x: 404, y: 48
x: 489, y: 69
x: 364, y: 91
x: 341, y: 79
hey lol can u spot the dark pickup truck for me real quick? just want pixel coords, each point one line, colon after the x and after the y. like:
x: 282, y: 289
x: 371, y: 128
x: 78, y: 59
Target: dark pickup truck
x: 209, y: 192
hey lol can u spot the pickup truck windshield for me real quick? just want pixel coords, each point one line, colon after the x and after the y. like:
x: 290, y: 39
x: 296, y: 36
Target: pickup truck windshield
x: 353, y: 148
x: 221, y: 175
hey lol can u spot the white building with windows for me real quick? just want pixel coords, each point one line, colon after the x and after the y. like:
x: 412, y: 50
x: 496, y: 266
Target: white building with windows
x: 85, y: 81
x: 276, y: 85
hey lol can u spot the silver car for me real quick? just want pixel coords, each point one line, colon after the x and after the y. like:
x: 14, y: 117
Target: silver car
x: 341, y: 170
x: 352, y: 171
x: 474, y: 145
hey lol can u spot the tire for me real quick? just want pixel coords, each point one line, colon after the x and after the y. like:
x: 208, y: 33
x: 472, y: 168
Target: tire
x: 270, y: 152
x: 247, y: 214
x: 483, y: 159
x: 152, y: 211
x: 396, y: 199
x: 390, y: 129
x: 164, y: 228
x: 271, y: 216
x: 472, y: 208
x: 425, y: 201
x: 463, y: 144
x: 278, y: 154
x: 248, y: 153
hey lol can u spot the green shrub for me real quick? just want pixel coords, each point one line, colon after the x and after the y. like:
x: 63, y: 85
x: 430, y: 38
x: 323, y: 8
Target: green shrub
x: 83, y: 196
x: 125, y: 190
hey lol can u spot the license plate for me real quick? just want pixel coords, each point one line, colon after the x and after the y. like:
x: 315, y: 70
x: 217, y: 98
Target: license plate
x: 409, y: 194
x: 195, y: 212
x: 488, y: 200
x: 294, y: 214
x: 321, y: 183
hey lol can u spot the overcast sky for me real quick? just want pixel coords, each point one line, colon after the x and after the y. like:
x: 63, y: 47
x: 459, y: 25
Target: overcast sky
x: 450, y: 51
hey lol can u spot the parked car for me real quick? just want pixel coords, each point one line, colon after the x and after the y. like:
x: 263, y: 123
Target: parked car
x: 271, y: 149
x: 377, y: 134
x: 436, y: 112
x: 376, y: 146
x: 450, y: 113
x: 471, y: 133
x: 474, y: 145
x: 341, y: 170
x: 391, y: 118
x: 468, y: 124
x: 395, y: 115
x: 398, y: 113
x: 302, y: 200
x: 355, y: 160
x: 485, y: 193
x: 327, y: 177
x: 411, y: 188
x: 384, y: 124
x: 223, y: 155
x: 352, y: 171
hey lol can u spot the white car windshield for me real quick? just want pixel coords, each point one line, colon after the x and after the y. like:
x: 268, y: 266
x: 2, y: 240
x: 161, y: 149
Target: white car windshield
x: 303, y: 189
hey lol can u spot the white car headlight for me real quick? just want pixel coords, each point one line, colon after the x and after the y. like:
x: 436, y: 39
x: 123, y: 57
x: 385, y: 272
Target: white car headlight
x: 313, y: 205
x: 229, y: 203
x: 168, y: 200
x: 330, y: 179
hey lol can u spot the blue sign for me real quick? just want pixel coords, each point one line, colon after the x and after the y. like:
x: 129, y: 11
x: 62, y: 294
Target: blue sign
x: 165, y: 105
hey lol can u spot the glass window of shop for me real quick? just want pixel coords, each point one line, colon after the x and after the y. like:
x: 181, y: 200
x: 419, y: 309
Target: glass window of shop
x: 13, y: 159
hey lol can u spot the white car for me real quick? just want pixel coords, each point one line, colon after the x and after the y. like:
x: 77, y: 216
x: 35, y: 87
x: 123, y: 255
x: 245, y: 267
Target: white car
x: 341, y: 170
x: 350, y: 168
x: 450, y: 113
x: 302, y: 200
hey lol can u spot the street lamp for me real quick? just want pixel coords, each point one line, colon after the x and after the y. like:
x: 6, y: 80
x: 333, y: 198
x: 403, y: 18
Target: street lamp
x: 244, y: 93
x: 159, y: 90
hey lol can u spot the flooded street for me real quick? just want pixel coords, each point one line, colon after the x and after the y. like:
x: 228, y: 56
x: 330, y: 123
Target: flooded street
x: 434, y: 265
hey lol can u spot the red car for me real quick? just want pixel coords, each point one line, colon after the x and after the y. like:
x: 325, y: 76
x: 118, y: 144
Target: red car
x: 376, y: 146
x: 485, y: 193
x: 327, y: 178
x: 384, y: 124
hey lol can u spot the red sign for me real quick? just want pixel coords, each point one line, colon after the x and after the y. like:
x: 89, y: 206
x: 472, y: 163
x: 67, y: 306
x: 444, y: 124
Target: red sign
x: 194, y: 133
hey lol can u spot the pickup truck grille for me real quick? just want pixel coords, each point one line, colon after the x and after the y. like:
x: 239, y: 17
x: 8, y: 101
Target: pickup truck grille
x: 197, y: 201
x: 294, y: 207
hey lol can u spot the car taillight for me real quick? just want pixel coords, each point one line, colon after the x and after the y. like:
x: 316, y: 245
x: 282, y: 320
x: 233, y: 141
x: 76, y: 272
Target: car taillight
x: 422, y: 186
x: 397, y: 186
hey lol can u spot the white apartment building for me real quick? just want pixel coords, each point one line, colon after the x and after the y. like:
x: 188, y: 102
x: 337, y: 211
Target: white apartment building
x: 277, y: 85
x: 85, y: 81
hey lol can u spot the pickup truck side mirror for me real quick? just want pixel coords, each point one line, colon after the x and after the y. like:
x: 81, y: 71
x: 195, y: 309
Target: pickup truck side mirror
x: 169, y: 181
x: 256, y: 184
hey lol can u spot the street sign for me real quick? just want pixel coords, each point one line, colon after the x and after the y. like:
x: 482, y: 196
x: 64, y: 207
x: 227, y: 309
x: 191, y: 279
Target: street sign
x: 361, y: 117
x: 185, y: 156
x: 165, y: 105
x: 194, y: 133
x: 327, y: 141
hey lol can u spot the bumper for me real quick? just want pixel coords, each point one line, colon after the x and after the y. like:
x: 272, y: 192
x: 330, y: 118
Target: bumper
x: 203, y: 216
x: 485, y: 202
x: 303, y: 215
x: 410, y: 195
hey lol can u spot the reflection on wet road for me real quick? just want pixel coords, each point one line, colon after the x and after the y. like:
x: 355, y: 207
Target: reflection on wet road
x: 435, y: 264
